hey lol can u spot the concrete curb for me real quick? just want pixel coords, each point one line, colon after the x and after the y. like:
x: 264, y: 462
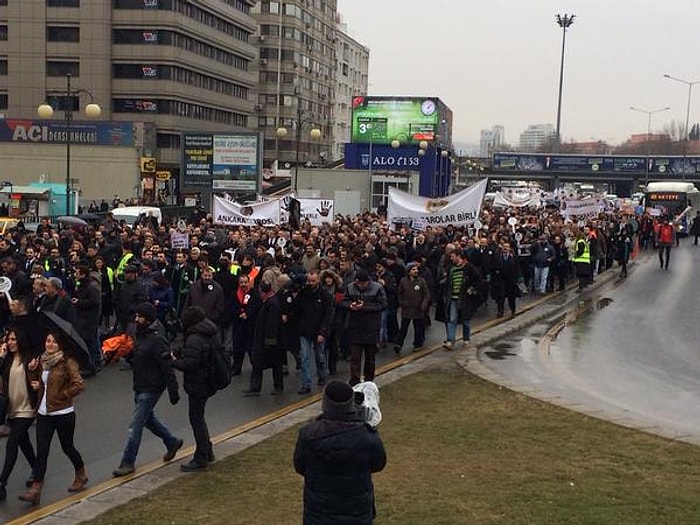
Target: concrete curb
x: 103, y: 500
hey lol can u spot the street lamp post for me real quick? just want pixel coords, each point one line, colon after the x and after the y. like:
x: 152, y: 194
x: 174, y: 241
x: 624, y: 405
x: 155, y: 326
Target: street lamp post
x: 564, y: 22
x: 315, y: 134
x: 687, y: 117
x: 648, y: 114
x: 92, y: 110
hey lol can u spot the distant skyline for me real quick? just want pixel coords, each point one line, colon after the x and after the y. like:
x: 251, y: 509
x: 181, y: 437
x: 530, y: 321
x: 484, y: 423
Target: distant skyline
x: 497, y: 62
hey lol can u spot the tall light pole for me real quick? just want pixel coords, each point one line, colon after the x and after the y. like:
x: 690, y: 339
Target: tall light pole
x: 45, y: 111
x: 564, y: 22
x: 315, y: 134
x: 687, y: 117
x: 648, y: 114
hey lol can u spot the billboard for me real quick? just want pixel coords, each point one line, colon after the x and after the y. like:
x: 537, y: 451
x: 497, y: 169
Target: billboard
x: 95, y: 133
x: 380, y: 120
x: 228, y: 162
x: 659, y: 165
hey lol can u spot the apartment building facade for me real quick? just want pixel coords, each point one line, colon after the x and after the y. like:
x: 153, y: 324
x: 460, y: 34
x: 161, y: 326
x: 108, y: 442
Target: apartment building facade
x: 168, y: 65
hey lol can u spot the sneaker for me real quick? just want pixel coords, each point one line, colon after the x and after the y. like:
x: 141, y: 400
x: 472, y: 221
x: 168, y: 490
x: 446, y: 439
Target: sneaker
x: 192, y: 466
x: 304, y: 390
x: 123, y: 470
x: 210, y: 457
x: 449, y: 345
x: 172, y: 450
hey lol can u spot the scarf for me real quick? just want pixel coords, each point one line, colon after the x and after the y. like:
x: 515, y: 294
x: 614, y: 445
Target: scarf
x: 49, y: 360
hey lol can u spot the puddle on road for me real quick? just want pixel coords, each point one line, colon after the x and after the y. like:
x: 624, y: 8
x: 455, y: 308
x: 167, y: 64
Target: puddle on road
x: 529, y: 338
x: 510, y: 347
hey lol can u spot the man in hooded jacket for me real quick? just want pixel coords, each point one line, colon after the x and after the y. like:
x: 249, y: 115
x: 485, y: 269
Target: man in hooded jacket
x: 337, y: 454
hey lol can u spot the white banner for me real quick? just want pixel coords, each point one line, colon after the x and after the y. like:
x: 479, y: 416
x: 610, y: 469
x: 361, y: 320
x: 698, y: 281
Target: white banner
x: 517, y: 199
x: 230, y: 213
x: 460, y: 209
x: 571, y: 207
x: 317, y: 211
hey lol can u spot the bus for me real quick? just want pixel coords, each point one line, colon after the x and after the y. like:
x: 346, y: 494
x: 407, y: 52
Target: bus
x: 672, y: 198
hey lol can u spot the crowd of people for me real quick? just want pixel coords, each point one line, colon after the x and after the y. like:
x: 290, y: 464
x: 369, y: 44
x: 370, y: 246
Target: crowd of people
x: 272, y: 297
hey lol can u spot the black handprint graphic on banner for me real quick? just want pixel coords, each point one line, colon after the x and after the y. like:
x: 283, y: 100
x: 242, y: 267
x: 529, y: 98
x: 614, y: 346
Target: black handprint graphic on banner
x: 325, y: 208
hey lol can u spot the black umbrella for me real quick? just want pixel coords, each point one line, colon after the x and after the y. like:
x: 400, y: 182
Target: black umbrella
x: 75, y: 345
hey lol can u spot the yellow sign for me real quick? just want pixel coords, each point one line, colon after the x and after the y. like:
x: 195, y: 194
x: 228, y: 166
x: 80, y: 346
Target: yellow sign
x: 162, y: 175
x: 148, y: 165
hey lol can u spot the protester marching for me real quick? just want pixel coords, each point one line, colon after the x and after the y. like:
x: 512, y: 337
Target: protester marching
x: 269, y: 291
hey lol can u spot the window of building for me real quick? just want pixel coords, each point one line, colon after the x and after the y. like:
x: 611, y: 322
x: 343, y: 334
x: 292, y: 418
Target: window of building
x: 168, y: 140
x: 180, y: 109
x: 3, y: 101
x: 58, y: 68
x: 3, y: 32
x: 62, y: 102
x: 270, y: 30
x: 63, y: 34
x: 3, y: 67
x: 63, y: 3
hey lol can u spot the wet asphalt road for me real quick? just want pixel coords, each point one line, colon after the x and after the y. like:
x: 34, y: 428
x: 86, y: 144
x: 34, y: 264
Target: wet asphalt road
x: 104, y: 409
x: 634, y: 355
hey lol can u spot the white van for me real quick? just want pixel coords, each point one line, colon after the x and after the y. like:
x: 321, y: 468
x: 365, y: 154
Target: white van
x: 129, y: 214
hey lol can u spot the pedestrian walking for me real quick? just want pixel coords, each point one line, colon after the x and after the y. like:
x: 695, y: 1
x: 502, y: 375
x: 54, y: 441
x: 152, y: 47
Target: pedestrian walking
x: 364, y: 300
x: 267, y: 351
x: 504, y: 280
x: 57, y: 389
x: 314, y: 312
x: 19, y: 368
x: 246, y: 305
x: 201, y: 337
x: 462, y: 297
x: 413, y: 299
x: 337, y: 455
x: 152, y: 374
x: 665, y: 239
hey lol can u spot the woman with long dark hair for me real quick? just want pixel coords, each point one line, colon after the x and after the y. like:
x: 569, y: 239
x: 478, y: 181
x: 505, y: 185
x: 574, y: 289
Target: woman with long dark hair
x: 60, y: 383
x: 18, y: 369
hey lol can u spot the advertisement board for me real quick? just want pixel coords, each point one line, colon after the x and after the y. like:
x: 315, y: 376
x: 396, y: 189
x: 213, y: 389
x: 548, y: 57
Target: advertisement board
x: 524, y: 162
x: 54, y: 132
x: 222, y: 161
x: 382, y: 119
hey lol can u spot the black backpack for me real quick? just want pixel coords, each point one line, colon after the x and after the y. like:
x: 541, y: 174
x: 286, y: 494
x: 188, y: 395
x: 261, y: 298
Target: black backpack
x: 218, y: 366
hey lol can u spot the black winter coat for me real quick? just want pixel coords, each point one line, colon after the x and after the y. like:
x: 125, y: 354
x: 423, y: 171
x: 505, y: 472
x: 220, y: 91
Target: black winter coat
x: 363, y: 325
x: 87, y: 308
x: 129, y: 295
x: 150, y: 360
x: 192, y: 359
x: 314, y: 310
x: 267, y: 350
x: 337, y: 458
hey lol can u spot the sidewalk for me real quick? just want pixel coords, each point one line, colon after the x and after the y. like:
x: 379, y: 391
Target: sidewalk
x: 100, y: 498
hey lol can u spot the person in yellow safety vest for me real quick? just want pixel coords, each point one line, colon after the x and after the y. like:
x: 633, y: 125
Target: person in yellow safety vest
x: 127, y: 255
x: 582, y: 259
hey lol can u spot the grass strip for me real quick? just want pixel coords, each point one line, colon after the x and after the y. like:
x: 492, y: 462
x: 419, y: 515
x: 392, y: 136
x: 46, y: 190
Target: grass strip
x: 460, y: 451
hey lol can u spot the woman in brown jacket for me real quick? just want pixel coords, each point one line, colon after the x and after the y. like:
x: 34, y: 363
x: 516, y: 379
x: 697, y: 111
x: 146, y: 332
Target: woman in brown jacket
x: 414, y: 299
x: 18, y: 371
x: 60, y: 383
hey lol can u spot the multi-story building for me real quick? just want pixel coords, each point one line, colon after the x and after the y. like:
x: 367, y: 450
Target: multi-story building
x: 352, y: 73
x: 535, y: 136
x: 490, y: 140
x: 296, y: 69
x: 173, y: 64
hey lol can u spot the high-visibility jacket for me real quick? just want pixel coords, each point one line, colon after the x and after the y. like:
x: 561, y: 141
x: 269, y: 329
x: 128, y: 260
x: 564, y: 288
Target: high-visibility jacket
x: 585, y: 257
x: 123, y: 262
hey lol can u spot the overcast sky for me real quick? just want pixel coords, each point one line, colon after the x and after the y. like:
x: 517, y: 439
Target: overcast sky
x: 497, y: 61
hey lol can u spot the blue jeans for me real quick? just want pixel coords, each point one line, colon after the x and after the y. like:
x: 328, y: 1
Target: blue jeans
x: 540, y: 281
x: 308, y: 345
x: 144, y: 416
x: 453, y: 315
